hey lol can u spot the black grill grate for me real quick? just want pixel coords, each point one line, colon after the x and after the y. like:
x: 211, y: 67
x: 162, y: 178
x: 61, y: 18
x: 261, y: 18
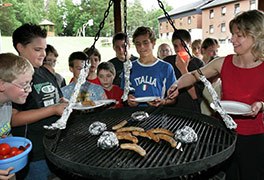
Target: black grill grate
x: 75, y: 149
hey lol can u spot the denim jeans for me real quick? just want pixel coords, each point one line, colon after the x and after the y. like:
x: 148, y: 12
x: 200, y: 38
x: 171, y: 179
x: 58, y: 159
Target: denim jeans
x: 38, y: 170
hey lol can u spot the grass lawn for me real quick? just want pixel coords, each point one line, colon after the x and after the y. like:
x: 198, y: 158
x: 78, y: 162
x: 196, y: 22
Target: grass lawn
x: 66, y: 45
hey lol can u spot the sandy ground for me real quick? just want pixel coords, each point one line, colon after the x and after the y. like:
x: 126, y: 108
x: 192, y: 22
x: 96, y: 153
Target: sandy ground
x: 66, y: 45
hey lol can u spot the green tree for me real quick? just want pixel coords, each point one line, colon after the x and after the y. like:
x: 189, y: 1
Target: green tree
x: 69, y: 17
x: 135, y: 17
x: 8, y: 21
x: 152, y: 17
x: 29, y: 11
x: 54, y: 13
x: 95, y: 9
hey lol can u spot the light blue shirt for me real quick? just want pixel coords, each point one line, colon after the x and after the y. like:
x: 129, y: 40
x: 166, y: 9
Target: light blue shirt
x: 95, y: 91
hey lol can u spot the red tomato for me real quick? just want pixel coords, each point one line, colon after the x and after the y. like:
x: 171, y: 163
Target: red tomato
x: 6, y: 156
x: 13, y: 151
x: 4, y: 149
x: 19, y: 152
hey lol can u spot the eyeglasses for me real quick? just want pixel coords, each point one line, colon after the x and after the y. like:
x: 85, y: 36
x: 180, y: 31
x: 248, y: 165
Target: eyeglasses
x: 26, y: 87
x: 165, y: 50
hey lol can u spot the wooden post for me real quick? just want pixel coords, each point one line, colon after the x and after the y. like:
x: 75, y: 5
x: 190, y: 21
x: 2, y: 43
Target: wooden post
x: 261, y: 5
x: 117, y: 16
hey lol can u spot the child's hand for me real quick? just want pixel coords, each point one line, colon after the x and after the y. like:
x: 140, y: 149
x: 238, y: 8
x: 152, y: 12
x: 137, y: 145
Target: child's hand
x: 157, y: 102
x: 59, y: 108
x: 131, y: 101
x: 182, y: 64
x: 4, y: 174
x: 173, y: 91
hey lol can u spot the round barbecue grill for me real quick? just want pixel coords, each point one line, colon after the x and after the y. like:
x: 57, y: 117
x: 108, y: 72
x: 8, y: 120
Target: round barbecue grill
x: 75, y: 150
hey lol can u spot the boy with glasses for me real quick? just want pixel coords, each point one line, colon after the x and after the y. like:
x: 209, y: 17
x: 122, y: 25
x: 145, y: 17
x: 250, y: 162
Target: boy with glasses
x: 15, y: 77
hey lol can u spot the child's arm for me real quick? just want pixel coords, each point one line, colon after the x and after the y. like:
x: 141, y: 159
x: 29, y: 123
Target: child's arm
x: 20, y: 118
x: 182, y: 66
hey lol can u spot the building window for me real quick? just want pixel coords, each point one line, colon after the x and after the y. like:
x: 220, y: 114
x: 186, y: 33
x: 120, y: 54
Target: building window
x: 167, y: 25
x: 223, y: 11
x: 189, y: 20
x: 252, y: 4
x: 223, y: 27
x: 237, y: 8
x: 222, y: 41
x: 211, y: 29
x: 211, y: 14
x: 161, y: 35
x: 168, y: 35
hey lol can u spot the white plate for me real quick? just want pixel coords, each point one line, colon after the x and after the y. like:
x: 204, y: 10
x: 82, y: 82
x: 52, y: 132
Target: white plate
x: 145, y: 99
x: 107, y: 101
x: 235, y: 107
x: 79, y: 106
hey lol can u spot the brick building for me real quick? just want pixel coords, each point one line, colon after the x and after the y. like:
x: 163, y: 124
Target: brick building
x: 206, y: 18
x: 186, y: 17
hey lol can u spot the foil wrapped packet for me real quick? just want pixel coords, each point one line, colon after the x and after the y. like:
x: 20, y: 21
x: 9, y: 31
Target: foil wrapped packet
x: 186, y: 135
x: 139, y: 115
x: 107, y: 140
x: 97, y: 128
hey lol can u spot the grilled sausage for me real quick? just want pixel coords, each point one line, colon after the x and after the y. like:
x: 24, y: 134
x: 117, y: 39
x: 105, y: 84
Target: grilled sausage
x: 168, y: 139
x: 130, y: 128
x: 153, y: 136
x: 141, y: 133
x: 120, y: 125
x: 133, y: 147
x: 126, y: 136
x: 162, y: 131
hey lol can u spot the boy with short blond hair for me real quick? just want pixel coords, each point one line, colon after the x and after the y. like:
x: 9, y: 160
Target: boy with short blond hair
x: 15, y: 77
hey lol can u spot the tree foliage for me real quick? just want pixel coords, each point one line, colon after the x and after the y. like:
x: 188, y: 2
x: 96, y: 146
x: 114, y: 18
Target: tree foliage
x: 69, y: 17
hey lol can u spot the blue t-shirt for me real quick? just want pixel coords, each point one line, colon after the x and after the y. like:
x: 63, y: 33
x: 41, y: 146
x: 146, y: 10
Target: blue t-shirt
x: 151, y: 80
x: 95, y: 91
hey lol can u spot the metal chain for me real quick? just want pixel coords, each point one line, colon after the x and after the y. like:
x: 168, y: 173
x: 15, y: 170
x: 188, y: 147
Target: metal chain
x: 125, y: 27
x: 175, y: 30
x: 101, y: 26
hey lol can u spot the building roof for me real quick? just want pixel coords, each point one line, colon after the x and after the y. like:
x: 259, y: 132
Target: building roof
x: 217, y: 3
x: 46, y: 22
x: 189, y: 9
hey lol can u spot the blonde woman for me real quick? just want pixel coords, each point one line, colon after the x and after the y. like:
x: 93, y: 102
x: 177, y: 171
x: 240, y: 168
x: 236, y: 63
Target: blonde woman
x: 242, y: 80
